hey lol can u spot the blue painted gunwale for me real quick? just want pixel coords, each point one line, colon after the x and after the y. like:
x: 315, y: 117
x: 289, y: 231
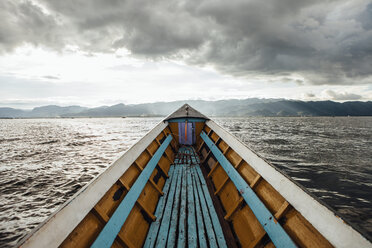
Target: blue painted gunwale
x: 275, y: 231
x: 112, y: 228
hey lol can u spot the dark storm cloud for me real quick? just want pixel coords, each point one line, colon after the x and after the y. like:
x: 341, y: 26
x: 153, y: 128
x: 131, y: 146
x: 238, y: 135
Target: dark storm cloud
x: 24, y: 22
x: 326, y: 42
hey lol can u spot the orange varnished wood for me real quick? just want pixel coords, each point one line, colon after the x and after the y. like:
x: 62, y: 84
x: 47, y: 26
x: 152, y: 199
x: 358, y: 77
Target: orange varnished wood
x: 198, y: 128
x: 302, y: 232
x: 152, y: 147
x: 164, y: 165
x: 246, y: 226
x: 85, y: 233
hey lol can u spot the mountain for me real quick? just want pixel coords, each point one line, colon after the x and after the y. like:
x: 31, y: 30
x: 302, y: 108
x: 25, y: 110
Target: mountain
x: 233, y: 108
x: 55, y: 111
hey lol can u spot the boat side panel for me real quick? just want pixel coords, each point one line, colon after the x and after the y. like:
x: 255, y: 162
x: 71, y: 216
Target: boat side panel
x: 54, y: 230
x: 173, y: 127
x: 246, y: 226
x: 198, y: 128
x: 134, y: 231
x: 317, y: 214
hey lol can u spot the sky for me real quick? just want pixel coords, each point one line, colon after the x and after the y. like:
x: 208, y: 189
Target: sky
x: 104, y: 52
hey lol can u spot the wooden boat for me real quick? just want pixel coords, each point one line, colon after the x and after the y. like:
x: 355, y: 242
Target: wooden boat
x: 189, y: 182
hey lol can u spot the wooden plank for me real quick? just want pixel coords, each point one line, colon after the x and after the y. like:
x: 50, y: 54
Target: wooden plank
x: 199, y: 219
x: 191, y: 223
x: 164, y: 227
x: 213, y: 169
x: 222, y: 185
x: 208, y: 200
x: 206, y: 217
x: 182, y: 220
x: 275, y: 231
x: 154, y: 228
x: 285, y: 206
x: 255, y: 181
x: 174, y: 219
x: 139, y: 203
x: 227, y: 178
x: 232, y: 211
x: 113, y: 226
x: 150, y: 180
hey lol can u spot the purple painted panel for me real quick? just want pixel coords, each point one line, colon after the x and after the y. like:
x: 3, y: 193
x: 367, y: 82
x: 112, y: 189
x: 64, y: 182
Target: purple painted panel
x: 188, y: 131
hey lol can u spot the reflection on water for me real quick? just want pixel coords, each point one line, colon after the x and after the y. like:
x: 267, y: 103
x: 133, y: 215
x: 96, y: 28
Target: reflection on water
x: 43, y: 162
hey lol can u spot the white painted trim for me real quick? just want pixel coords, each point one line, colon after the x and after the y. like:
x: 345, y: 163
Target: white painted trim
x: 331, y: 226
x: 57, y: 227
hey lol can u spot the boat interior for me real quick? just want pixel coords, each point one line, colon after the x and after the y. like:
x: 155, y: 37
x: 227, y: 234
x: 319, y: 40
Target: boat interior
x: 186, y: 184
x: 190, y: 201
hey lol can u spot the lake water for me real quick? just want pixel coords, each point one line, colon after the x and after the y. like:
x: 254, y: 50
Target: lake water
x: 43, y: 162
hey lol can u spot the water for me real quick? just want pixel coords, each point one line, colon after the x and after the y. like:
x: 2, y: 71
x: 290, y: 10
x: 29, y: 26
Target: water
x: 43, y: 162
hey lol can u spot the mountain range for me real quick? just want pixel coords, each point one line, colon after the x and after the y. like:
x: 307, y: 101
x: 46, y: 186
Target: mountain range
x: 232, y: 107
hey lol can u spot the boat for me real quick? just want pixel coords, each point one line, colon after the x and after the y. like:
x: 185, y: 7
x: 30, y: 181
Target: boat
x: 190, y: 183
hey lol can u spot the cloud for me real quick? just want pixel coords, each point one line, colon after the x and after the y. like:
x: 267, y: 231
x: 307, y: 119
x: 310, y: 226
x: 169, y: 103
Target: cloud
x: 51, y: 77
x: 309, y: 95
x: 24, y: 22
x: 342, y: 96
x: 324, y: 42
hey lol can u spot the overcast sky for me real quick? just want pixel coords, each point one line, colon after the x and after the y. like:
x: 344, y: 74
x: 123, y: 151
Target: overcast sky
x: 103, y: 52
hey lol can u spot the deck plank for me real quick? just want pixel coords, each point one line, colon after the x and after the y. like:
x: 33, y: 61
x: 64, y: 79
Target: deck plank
x: 186, y: 215
x: 216, y: 223
x: 182, y: 220
x: 154, y: 228
x: 164, y: 227
x: 199, y: 218
x: 205, y: 212
x: 172, y: 233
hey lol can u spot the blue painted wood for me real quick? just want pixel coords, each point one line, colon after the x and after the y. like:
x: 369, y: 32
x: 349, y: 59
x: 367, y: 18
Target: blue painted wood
x: 191, y: 222
x: 215, y: 222
x: 174, y: 220
x: 164, y: 227
x: 187, y: 119
x: 154, y: 227
x: 182, y: 220
x: 275, y: 231
x: 117, y: 220
x: 199, y: 219
x: 206, y: 216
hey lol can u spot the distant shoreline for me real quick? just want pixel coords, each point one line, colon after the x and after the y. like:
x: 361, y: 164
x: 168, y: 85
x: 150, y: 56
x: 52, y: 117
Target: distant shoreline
x: 249, y: 107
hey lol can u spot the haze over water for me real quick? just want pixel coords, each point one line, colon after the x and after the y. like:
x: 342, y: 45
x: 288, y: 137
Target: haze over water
x: 43, y: 162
